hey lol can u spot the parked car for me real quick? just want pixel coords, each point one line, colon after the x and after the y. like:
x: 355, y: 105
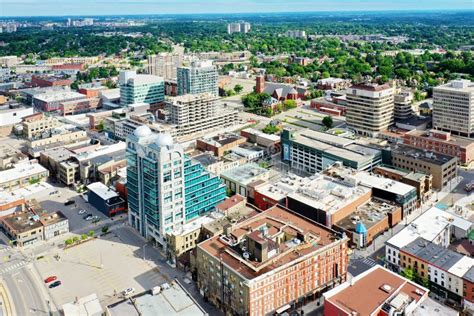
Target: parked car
x: 69, y: 202
x: 468, y: 187
x: 128, y: 291
x: 88, y: 217
x: 55, y: 284
x: 82, y: 212
x: 50, y: 279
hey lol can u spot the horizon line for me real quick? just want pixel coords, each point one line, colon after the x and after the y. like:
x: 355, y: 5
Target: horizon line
x: 243, y: 13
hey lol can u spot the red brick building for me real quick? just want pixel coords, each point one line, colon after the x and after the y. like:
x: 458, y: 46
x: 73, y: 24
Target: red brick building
x: 441, y: 142
x: 49, y: 81
x: 468, y: 290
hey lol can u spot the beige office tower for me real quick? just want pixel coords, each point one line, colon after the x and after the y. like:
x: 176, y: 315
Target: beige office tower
x: 370, y: 108
x: 453, y: 107
x: 165, y: 65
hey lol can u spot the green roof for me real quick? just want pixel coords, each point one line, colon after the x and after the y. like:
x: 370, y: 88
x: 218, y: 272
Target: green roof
x: 471, y: 235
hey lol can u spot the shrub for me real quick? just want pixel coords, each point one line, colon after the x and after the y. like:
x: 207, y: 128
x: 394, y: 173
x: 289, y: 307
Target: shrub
x: 90, y: 233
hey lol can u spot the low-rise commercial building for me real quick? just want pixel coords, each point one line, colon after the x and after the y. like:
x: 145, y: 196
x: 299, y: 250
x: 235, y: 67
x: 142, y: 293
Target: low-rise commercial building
x: 54, y: 224
x: 238, y: 179
x: 105, y: 199
x: 22, y: 175
x: 377, y: 291
x: 382, y: 188
x: 11, y: 114
x: 219, y: 144
x: 23, y: 228
x: 434, y: 225
x: 49, y: 81
x: 440, y: 142
x: 38, y: 125
x: 51, y: 101
x: 268, y: 141
x: 311, y: 151
x: 249, y: 151
x: 268, y: 262
x: 421, y: 181
x: 444, y: 268
x: 369, y: 220
x: 62, y: 136
x: 443, y: 168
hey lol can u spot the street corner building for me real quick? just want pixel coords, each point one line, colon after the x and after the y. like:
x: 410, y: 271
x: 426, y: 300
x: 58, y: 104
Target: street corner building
x: 270, y: 262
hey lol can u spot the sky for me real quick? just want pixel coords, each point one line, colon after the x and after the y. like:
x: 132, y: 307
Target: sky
x: 122, y: 7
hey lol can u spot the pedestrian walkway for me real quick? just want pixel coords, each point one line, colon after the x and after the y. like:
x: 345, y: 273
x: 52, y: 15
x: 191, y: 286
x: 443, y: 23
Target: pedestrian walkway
x: 12, y: 268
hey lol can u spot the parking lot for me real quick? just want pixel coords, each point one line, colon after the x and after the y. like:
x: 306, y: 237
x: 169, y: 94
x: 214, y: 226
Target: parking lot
x: 104, y: 266
x: 53, y: 199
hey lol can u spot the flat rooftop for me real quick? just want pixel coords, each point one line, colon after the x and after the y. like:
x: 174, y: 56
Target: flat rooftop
x: 368, y: 214
x: 52, y: 96
x: 374, y: 288
x: 278, y: 189
x: 328, y: 194
x: 458, y: 86
x: 104, y: 192
x: 453, y: 139
x: 205, y: 159
x: 333, y: 145
x: 275, y: 221
x: 428, y: 226
x: 420, y: 154
x: 222, y: 139
x: 171, y: 301
x: 21, y: 170
x: 433, y: 308
x: 245, y: 174
x: 21, y: 222
x: 370, y: 180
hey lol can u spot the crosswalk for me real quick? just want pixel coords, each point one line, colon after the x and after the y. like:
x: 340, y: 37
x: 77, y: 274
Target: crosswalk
x: 13, y: 267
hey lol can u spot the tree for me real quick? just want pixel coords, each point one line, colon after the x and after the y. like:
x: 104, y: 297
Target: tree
x: 408, y: 273
x: 327, y: 121
x: 271, y: 129
x: 105, y: 229
x: 238, y: 88
x: 289, y: 104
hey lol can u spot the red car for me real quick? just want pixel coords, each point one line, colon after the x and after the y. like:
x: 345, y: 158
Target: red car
x: 50, y: 279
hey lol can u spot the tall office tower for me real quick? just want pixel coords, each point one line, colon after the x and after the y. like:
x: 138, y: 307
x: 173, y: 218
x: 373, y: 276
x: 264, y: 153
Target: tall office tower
x: 136, y: 88
x: 198, y: 112
x: 453, y: 107
x: 370, y: 108
x: 165, y: 65
x: 69, y: 22
x: 403, y: 105
x: 200, y: 77
x: 166, y: 189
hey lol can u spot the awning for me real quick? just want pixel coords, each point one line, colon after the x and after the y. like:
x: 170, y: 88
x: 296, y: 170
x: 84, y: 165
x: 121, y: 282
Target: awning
x: 283, y: 308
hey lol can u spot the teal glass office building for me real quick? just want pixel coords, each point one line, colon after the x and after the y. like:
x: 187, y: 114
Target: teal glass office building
x: 166, y: 188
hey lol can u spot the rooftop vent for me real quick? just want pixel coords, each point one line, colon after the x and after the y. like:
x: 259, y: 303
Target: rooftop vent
x: 386, y: 288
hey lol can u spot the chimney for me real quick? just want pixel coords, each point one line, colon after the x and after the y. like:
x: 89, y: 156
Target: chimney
x: 259, y: 84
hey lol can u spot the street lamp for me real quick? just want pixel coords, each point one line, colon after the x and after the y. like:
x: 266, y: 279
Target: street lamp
x: 144, y: 253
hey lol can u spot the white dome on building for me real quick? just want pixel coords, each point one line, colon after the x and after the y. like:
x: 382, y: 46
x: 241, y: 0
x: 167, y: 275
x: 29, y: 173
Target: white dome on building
x: 164, y: 139
x: 142, y: 131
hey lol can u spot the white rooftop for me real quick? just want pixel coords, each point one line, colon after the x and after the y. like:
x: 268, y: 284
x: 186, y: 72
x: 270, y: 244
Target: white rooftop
x: 197, y: 223
x: 259, y: 133
x: 457, y: 85
x: 102, y: 190
x: 85, y: 306
x: 278, y: 190
x: 144, y: 79
x: 328, y: 194
x: 52, y: 96
x: 428, y: 226
x: 460, y: 268
x: 379, y: 182
x: 103, y: 150
x: 21, y: 170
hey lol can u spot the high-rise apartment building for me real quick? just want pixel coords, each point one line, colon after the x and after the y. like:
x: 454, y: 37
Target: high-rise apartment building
x: 166, y: 189
x: 403, y: 105
x: 238, y: 27
x: 136, y: 88
x: 198, y: 112
x: 370, y: 108
x: 199, y: 77
x: 296, y: 34
x: 453, y: 107
x: 165, y: 65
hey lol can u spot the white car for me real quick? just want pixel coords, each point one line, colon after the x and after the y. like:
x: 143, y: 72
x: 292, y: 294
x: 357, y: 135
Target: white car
x: 82, y: 212
x: 128, y: 291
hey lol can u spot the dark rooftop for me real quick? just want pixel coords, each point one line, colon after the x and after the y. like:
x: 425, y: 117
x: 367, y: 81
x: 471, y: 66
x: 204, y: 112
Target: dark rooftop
x: 432, y: 253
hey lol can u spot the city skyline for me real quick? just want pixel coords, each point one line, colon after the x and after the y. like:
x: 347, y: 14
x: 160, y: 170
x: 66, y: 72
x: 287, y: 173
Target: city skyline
x: 109, y: 7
